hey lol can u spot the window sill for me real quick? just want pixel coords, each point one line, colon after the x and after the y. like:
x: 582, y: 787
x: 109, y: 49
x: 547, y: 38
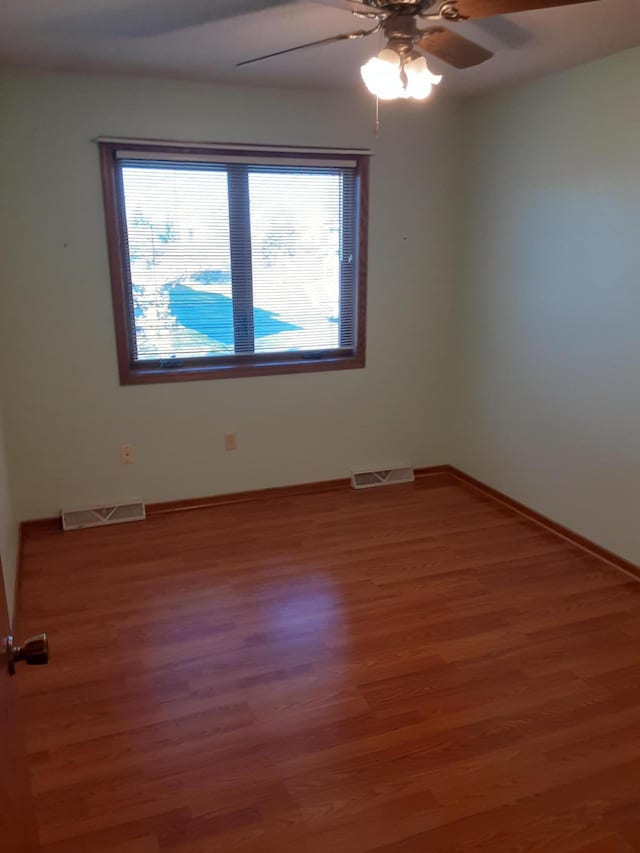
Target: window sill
x: 141, y: 375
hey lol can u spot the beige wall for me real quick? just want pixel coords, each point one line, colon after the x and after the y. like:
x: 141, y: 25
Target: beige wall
x: 66, y: 415
x: 8, y: 527
x: 533, y: 384
x: 547, y: 338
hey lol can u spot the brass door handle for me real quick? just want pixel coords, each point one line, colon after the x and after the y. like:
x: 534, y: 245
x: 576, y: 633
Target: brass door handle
x: 34, y: 652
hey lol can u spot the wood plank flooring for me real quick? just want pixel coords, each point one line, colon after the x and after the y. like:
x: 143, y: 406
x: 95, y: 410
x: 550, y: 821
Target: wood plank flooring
x: 403, y: 670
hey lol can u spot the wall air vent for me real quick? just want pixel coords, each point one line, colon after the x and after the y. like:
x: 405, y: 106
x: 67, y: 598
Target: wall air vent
x: 98, y: 516
x: 381, y: 477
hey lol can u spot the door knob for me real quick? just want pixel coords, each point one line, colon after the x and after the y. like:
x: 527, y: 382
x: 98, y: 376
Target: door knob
x: 34, y: 652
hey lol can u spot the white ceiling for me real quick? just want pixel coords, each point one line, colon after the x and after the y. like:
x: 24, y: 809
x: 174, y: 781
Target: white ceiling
x: 85, y: 35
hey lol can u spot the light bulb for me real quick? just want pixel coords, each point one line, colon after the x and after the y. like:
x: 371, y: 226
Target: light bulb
x: 383, y: 76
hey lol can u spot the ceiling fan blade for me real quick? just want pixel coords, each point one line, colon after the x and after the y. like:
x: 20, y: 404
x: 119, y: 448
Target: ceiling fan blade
x: 452, y: 48
x: 487, y: 8
x: 342, y: 37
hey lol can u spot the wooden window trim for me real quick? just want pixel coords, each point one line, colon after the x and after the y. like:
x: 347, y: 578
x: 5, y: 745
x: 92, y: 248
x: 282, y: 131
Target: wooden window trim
x: 242, y: 364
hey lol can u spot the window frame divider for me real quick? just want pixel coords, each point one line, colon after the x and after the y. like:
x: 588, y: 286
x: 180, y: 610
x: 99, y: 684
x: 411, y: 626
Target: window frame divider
x: 241, y: 259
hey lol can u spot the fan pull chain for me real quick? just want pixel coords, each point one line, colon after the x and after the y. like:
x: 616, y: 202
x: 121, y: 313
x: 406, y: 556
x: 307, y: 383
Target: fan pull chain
x: 381, y: 40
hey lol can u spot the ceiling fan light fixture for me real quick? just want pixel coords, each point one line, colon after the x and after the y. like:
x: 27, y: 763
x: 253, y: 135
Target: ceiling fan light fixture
x: 390, y: 75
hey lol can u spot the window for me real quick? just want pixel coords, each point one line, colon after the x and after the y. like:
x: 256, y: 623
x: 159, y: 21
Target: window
x: 235, y: 262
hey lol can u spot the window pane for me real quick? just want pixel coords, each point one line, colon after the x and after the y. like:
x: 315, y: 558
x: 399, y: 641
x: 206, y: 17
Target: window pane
x: 178, y: 235
x: 295, y: 249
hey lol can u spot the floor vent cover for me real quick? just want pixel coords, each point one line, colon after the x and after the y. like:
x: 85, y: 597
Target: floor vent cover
x: 382, y: 477
x: 97, y: 516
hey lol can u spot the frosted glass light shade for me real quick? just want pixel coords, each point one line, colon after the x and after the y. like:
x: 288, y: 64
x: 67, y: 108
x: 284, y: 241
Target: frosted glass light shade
x: 420, y: 80
x: 383, y: 76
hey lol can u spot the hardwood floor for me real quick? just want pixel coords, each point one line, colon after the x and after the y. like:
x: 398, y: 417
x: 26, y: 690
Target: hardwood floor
x: 404, y: 670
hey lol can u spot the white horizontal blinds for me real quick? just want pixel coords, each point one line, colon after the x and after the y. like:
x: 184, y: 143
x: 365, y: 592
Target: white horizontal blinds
x: 236, y: 258
x: 349, y: 213
x: 177, y: 220
x: 296, y: 225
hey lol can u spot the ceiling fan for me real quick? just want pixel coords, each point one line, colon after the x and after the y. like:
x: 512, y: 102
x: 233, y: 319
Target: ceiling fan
x: 400, y: 70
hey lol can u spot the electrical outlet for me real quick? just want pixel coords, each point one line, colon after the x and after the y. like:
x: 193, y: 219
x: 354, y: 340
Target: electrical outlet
x: 126, y: 454
x: 230, y: 441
